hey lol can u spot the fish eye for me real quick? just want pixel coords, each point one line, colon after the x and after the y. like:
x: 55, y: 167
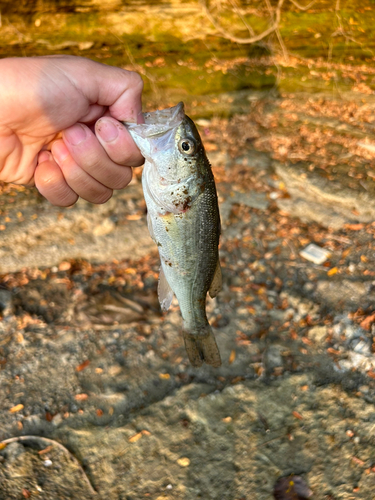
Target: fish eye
x: 187, y: 146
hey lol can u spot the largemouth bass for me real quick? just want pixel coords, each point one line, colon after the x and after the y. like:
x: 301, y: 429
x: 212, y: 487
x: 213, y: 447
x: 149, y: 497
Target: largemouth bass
x: 183, y: 220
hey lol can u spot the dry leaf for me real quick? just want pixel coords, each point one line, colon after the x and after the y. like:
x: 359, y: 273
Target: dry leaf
x: 183, y: 462
x: 135, y: 438
x: 297, y: 415
x: 332, y: 271
x: 232, y: 357
x: 16, y: 408
x: 80, y: 397
x: 367, y: 322
x: 82, y: 366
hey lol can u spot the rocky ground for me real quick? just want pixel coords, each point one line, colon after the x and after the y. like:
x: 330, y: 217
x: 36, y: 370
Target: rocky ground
x: 98, y: 399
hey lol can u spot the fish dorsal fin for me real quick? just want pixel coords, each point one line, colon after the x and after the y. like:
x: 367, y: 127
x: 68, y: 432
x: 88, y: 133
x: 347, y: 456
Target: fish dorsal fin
x: 165, y: 292
x: 217, y: 281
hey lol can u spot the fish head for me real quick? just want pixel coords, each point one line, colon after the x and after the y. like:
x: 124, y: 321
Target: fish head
x: 170, y: 141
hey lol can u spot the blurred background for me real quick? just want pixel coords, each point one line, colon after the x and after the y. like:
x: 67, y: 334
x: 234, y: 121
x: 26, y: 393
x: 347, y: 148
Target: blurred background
x: 197, y: 50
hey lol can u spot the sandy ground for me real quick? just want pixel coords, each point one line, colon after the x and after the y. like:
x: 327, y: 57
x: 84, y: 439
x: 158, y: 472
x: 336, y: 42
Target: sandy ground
x: 97, y: 397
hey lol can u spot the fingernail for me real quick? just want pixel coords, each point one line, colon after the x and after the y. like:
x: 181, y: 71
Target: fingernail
x: 140, y: 118
x: 75, y: 135
x: 44, y: 156
x: 107, y: 130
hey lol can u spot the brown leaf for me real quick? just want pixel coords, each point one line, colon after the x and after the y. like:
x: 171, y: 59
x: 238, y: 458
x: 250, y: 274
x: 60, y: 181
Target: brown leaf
x: 232, y: 357
x: 297, y: 415
x: 82, y: 366
x: 367, y: 322
x: 135, y: 437
x: 16, y: 408
x: 81, y: 397
x: 354, y: 227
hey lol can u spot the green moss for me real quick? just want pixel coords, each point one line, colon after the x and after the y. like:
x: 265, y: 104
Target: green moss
x: 208, y: 65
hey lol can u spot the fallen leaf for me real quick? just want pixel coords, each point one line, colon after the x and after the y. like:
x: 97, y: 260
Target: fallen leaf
x: 46, y: 450
x: 134, y: 217
x: 354, y: 227
x: 358, y: 461
x: 183, y: 462
x: 64, y: 266
x: 332, y: 271
x: 367, y: 322
x: 135, y: 438
x: 16, y: 408
x: 82, y: 366
x: 297, y: 415
x: 232, y: 357
x: 81, y: 397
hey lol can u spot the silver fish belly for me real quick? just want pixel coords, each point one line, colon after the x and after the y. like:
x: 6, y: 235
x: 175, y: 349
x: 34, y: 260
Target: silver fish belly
x: 183, y: 220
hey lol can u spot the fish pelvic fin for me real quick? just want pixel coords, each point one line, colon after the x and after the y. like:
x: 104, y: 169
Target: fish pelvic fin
x: 165, y: 292
x: 217, y: 282
x: 201, y: 347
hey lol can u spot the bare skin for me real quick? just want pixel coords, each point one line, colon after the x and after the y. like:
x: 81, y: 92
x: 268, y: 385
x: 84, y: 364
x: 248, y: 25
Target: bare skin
x: 60, y: 126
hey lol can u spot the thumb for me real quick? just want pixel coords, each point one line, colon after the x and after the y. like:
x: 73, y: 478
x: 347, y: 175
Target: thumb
x: 116, y: 88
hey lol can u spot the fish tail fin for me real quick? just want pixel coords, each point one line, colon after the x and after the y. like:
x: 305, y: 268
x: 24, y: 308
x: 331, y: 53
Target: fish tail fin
x: 201, y: 347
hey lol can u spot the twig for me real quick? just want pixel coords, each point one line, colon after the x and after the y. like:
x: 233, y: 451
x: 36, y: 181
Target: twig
x: 301, y: 7
x: 249, y: 40
x: 239, y: 13
x: 137, y: 67
x: 44, y: 442
x: 278, y: 34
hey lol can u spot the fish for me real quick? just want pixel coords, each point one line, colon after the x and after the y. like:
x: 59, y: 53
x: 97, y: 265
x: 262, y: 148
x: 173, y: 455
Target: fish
x: 184, y: 221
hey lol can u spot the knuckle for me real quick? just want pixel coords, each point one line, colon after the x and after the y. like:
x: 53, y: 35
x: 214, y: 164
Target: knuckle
x: 137, y: 80
x: 101, y: 197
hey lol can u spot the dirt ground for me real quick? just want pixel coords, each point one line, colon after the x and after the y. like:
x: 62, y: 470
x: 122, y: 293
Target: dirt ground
x: 97, y: 397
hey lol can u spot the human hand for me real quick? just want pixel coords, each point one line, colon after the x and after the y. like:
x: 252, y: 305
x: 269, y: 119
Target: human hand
x: 40, y: 97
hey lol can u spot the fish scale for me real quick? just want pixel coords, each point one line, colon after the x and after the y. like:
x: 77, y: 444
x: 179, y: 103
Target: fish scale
x: 184, y: 221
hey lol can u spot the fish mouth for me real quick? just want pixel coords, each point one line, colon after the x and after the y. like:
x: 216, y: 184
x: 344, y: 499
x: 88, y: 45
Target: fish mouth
x: 158, y: 123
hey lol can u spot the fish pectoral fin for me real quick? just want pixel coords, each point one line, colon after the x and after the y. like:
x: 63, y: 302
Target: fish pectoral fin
x: 165, y: 292
x: 217, y: 282
x: 201, y: 347
x: 150, y: 228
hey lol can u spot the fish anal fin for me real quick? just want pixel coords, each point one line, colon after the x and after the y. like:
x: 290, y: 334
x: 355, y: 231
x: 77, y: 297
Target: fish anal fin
x: 165, y: 292
x: 217, y: 281
x: 201, y: 348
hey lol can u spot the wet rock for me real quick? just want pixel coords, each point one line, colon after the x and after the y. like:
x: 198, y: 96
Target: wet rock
x: 317, y: 333
x: 6, y: 302
x: 272, y: 358
x: 339, y: 293
x: 12, y: 452
x: 251, y: 199
x: 331, y: 203
x: 47, y: 235
x: 46, y: 299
